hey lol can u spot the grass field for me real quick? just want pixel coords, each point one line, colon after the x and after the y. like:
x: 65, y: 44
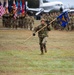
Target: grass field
x: 18, y: 57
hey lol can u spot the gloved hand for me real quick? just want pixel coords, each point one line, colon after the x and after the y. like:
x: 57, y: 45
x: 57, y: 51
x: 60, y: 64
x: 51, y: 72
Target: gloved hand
x: 48, y: 28
x: 34, y: 34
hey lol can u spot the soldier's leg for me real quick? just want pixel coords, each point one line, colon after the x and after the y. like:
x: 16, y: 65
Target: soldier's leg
x: 19, y: 23
x: 10, y: 24
x: 13, y: 25
x: 31, y: 26
x: 6, y: 22
x: 44, y: 44
x: 41, y: 48
x: 26, y: 25
x: 67, y: 27
x: 16, y: 23
x: 22, y: 24
x: 3, y: 22
x: 41, y: 45
x: 73, y: 26
x: 16, y: 26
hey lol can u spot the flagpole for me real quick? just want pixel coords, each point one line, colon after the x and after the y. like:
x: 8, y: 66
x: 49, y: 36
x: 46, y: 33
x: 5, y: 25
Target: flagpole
x: 40, y: 30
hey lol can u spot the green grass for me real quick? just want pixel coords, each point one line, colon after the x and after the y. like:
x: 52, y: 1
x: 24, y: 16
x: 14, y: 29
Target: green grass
x: 23, y: 58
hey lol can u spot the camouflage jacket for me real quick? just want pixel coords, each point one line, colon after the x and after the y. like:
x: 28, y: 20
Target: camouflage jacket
x: 43, y: 32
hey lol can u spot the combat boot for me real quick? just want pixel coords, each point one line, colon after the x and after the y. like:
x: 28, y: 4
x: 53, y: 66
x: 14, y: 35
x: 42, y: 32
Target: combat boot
x: 41, y: 48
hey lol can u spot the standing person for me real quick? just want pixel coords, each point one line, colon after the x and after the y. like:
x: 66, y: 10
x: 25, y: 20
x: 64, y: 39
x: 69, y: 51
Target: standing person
x: 31, y: 22
x: 27, y: 20
x: 43, y: 34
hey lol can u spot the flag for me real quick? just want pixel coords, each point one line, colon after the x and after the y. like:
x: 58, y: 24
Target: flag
x: 63, y: 19
x: 23, y: 7
x: 10, y: 4
x: 14, y: 4
x: 2, y: 10
x: 14, y: 7
x: 6, y: 7
x: 0, y: 3
x: 4, y: 3
x: 19, y: 7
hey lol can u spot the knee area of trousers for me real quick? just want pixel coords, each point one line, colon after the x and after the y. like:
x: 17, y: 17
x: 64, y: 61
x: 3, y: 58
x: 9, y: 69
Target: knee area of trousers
x: 40, y: 44
x: 43, y: 44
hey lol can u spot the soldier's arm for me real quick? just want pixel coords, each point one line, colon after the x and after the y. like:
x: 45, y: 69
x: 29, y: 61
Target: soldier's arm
x: 48, y: 28
x: 35, y: 30
x: 32, y: 20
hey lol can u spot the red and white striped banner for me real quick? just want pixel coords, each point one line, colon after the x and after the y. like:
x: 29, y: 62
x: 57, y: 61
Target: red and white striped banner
x: 2, y: 11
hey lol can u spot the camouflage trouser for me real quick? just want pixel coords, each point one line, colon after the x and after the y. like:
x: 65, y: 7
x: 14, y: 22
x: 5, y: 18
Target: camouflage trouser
x: 20, y: 23
x: 3, y: 22
x: 42, y: 42
x: 69, y: 27
x: 31, y: 26
x: 73, y: 26
x: 15, y: 23
x: 7, y: 23
x: 26, y: 25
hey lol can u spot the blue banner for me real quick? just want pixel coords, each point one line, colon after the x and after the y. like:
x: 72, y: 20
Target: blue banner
x: 19, y: 6
x: 10, y: 3
x: 63, y: 19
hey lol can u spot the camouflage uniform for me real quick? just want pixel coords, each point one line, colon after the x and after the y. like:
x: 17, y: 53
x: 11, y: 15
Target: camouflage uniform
x: 15, y: 23
x: 31, y: 22
x: 43, y: 16
x: 69, y: 26
x: 28, y: 22
x: 7, y: 20
x: 73, y: 23
x: 54, y: 24
x: 10, y: 20
x: 24, y: 22
x: 27, y: 19
x: 20, y: 21
x: 3, y: 21
x: 43, y: 34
